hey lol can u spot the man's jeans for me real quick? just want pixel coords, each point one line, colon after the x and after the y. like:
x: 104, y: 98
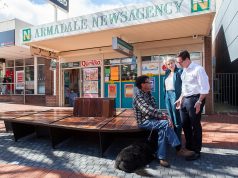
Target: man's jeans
x: 166, y: 135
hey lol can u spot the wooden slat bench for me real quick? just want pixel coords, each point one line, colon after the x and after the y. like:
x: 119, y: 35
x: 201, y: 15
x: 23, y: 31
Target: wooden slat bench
x: 96, y: 115
x: 26, y: 122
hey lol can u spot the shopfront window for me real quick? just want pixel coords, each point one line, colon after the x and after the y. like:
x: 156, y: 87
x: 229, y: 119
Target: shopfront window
x: 19, y: 62
x: 120, y: 75
x: 29, y: 79
x: 128, y: 72
x: 41, y: 79
x: 10, y: 63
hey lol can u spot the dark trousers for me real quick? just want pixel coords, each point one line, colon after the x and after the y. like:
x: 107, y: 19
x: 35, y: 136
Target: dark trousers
x: 191, y: 123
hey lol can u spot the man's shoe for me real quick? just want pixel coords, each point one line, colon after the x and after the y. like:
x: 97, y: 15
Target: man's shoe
x: 164, y: 163
x: 193, y: 157
x: 184, y: 152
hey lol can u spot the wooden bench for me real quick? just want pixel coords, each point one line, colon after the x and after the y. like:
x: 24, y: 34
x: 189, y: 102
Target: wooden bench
x: 95, y: 115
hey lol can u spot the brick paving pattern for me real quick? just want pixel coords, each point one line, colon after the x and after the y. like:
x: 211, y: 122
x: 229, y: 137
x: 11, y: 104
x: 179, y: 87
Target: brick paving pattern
x: 34, y: 157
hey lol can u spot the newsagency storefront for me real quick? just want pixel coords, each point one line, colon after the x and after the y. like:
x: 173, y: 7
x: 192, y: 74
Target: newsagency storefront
x: 101, y: 54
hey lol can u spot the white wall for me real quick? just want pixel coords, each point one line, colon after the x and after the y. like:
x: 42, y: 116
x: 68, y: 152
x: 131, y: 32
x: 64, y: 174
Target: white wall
x: 19, y: 25
x: 227, y: 17
x: 7, y: 25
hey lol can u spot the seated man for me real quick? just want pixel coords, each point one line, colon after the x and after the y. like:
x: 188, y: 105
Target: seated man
x: 149, y: 117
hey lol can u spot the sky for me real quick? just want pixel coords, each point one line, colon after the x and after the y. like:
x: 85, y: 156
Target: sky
x: 38, y: 12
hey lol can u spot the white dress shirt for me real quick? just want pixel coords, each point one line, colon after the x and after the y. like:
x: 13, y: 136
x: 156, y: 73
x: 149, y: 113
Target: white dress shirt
x: 194, y: 80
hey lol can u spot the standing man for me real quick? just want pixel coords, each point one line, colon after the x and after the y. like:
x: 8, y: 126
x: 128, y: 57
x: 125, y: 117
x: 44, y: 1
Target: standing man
x: 195, y: 87
x: 150, y: 118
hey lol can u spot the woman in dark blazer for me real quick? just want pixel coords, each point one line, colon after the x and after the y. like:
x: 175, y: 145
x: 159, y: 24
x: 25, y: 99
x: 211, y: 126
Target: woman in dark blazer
x: 172, y: 89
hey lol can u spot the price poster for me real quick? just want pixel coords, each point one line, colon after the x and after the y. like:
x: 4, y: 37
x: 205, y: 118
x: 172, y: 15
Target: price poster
x: 129, y: 90
x: 90, y: 74
x: 112, y: 90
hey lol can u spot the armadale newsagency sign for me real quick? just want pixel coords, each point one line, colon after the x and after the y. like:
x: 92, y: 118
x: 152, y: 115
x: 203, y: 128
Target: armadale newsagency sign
x: 117, y: 18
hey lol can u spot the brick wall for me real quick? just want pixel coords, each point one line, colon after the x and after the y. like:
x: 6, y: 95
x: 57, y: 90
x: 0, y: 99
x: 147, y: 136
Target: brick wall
x: 50, y: 101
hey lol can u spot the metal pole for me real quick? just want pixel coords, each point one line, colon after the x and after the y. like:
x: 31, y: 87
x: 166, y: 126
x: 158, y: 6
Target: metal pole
x: 54, y: 72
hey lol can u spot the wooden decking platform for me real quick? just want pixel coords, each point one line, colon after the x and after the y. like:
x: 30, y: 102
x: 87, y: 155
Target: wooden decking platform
x: 58, y: 123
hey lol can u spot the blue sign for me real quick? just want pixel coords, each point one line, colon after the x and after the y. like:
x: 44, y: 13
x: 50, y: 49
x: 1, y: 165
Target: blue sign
x: 63, y: 4
x: 7, y: 38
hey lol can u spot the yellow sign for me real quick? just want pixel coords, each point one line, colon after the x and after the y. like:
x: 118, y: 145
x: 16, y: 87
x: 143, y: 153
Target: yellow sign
x: 43, y: 53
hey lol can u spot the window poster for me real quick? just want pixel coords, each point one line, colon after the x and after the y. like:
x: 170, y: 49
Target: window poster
x: 152, y: 84
x: 20, y: 80
x: 129, y: 90
x: 112, y: 90
x: 87, y: 95
x: 90, y: 87
x: 150, y: 68
x: 90, y: 74
x: 114, y: 73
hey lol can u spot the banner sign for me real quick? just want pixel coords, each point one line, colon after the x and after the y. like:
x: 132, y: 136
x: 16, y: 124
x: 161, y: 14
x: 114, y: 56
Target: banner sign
x: 122, y: 46
x: 20, y: 80
x: 145, y: 13
x: 63, y: 4
x: 7, y: 38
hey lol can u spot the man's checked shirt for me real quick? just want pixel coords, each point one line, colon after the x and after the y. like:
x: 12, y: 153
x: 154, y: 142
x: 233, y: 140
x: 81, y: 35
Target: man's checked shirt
x: 144, y: 107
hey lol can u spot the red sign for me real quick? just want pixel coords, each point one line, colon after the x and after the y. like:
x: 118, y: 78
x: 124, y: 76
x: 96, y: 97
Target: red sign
x: 164, y: 67
x: 91, y: 63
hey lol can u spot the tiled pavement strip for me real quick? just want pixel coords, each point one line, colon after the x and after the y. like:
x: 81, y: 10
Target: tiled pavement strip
x: 33, y: 157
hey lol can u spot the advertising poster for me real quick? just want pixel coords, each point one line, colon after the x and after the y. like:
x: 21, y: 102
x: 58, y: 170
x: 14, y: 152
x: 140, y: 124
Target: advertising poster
x: 114, y: 73
x: 90, y: 74
x: 20, y: 80
x: 87, y: 95
x: 90, y: 87
x: 129, y: 90
x: 150, y: 69
x: 112, y: 90
x: 152, y: 84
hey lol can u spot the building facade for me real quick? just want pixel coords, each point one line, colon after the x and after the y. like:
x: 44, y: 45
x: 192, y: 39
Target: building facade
x: 25, y: 75
x: 225, y: 56
x: 88, y: 65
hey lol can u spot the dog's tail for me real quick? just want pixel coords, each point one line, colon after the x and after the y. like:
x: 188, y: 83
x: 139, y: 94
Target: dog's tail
x: 143, y: 172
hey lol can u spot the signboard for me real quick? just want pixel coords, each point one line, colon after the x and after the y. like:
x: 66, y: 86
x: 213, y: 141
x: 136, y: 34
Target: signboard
x: 43, y: 53
x: 122, y: 47
x: 91, y: 63
x: 129, y: 90
x: 63, y: 4
x: 112, y: 91
x: 148, y: 12
x: 53, y: 64
x: 200, y: 5
x: 20, y: 80
x: 7, y: 38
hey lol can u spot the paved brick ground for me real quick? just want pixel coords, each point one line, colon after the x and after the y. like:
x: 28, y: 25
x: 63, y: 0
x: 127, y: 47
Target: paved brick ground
x: 34, y: 157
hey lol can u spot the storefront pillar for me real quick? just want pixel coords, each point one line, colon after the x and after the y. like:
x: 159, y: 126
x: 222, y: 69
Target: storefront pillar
x: 102, y: 79
x: 139, y: 63
x: 35, y: 75
x: 208, y: 67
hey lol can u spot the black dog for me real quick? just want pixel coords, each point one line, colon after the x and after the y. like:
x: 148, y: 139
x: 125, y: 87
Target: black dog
x: 135, y: 156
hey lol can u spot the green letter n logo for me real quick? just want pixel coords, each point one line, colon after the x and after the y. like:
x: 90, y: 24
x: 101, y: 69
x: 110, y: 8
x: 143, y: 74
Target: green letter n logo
x: 26, y: 34
x: 200, y: 5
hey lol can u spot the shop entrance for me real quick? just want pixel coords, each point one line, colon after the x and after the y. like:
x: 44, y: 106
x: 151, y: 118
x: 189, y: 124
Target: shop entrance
x: 81, y: 82
x: 71, y: 85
